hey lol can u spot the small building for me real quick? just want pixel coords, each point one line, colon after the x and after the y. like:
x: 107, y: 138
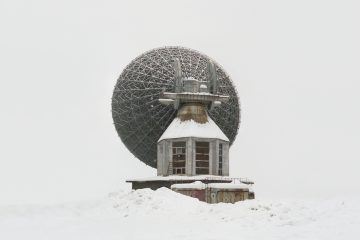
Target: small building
x: 193, y: 145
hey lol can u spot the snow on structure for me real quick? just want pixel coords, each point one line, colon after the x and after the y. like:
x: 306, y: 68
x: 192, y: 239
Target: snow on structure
x: 198, y: 185
x: 190, y: 128
x: 228, y: 185
x: 192, y: 178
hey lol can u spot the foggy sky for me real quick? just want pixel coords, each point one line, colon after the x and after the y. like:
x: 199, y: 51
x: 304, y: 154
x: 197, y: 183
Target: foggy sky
x: 295, y: 65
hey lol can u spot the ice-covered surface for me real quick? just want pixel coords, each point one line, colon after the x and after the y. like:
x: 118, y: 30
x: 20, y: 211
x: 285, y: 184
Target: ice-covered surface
x: 228, y: 185
x: 199, y: 185
x: 195, y: 185
x: 164, y: 214
x: 182, y: 177
x: 190, y: 128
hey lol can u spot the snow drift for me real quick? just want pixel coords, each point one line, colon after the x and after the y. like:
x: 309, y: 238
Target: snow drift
x: 164, y: 214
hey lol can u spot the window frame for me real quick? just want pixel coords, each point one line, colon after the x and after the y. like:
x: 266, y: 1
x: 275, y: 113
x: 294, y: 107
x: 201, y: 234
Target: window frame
x: 179, y: 150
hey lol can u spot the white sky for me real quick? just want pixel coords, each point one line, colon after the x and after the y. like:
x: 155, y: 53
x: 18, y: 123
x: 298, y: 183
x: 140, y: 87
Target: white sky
x: 295, y: 65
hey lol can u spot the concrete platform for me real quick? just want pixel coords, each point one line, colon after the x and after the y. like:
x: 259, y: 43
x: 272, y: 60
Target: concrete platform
x: 166, y: 181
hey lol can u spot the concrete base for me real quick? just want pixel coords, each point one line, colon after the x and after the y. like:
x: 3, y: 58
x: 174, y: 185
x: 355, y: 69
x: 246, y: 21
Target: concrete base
x: 159, y: 181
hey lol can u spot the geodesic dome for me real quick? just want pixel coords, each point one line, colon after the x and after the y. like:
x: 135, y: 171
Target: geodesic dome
x: 140, y: 119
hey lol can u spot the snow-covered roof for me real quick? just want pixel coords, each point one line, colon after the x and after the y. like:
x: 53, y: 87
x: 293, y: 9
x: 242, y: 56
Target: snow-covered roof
x: 190, y: 128
x: 206, y: 178
x: 198, y: 185
x: 183, y: 178
x: 228, y: 185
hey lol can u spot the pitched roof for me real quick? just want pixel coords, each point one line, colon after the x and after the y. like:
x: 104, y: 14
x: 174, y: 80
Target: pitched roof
x: 190, y: 128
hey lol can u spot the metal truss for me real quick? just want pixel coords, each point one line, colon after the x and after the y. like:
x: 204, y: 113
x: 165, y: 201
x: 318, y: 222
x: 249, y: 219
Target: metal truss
x: 140, y: 119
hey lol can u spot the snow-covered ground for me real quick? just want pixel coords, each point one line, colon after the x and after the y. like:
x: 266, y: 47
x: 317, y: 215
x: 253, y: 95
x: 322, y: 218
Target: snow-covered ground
x: 163, y: 214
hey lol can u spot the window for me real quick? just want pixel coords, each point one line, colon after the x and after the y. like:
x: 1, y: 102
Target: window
x: 202, y: 158
x: 220, y: 159
x: 178, y: 157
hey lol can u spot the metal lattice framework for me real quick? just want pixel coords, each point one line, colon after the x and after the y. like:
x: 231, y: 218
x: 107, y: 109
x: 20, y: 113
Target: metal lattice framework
x: 139, y: 117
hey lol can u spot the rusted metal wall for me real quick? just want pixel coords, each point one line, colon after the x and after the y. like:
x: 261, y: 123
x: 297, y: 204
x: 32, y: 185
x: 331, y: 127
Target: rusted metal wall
x: 227, y: 195
x: 211, y: 195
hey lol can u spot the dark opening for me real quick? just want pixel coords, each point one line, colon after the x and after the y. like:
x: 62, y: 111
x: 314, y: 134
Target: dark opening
x: 220, y: 159
x: 202, y: 158
x: 179, y: 157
